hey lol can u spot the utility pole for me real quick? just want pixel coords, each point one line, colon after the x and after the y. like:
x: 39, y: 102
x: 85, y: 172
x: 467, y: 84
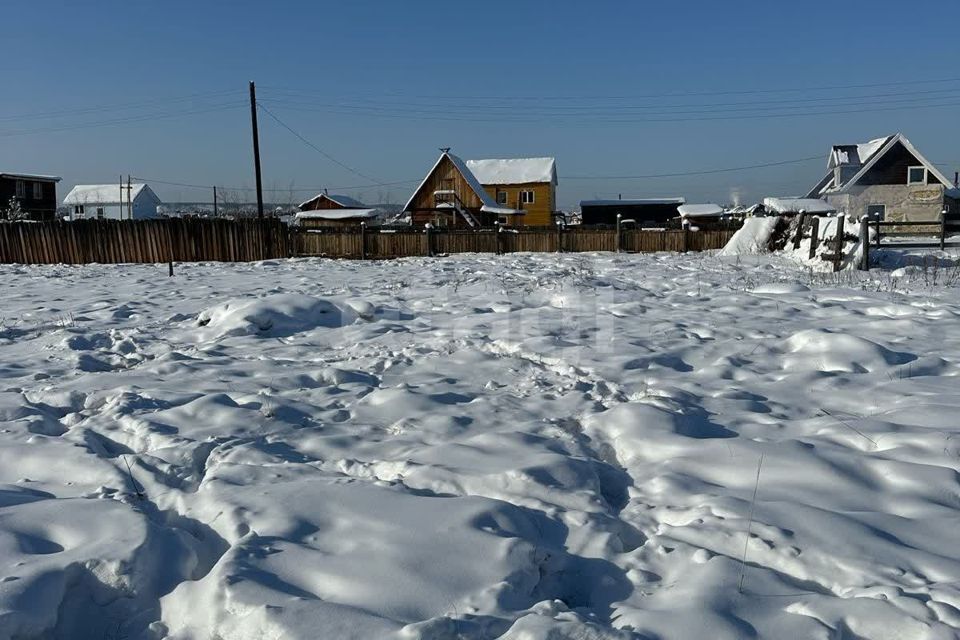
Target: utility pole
x: 215, y: 201
x: 129, y: 199
x: 256, y: 147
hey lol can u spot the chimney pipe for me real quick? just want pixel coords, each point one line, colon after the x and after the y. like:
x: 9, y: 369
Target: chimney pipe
x: 956, y: 178
x: 619, y: 196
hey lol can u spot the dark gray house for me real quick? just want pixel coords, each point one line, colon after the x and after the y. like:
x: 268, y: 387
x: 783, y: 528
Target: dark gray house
x: 887, y: 177
x: 36, y: 194
x: 645, y: 212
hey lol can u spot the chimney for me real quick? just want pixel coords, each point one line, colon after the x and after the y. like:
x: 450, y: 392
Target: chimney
x: 956, y: 178
x: 619, y: 196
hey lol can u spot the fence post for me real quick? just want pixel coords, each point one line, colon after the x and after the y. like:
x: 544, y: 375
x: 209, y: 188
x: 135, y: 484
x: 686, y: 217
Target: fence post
x: 498, y: 231
x: 838, y: 254
x: 559, y: 236
x: 796, y: 238
x: 363, y: 240
x: 865, y: 243
x: 943, y: 229
x: 686, y: 235
x: 619, y: 243
x: 814, y: 237
x: 427, y: 229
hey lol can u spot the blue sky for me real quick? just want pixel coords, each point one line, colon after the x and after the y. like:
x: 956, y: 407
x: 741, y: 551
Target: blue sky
x: 608, y: 88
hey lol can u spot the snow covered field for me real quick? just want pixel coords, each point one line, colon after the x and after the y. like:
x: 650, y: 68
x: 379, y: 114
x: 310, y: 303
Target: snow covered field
x: 525, y: 447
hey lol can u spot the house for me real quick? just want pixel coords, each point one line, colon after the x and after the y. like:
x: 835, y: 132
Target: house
x: 336, y: 218
x: 707, y: 212
x: 112, y: 202
x: 325, y: 201
x: 529, y: 184
x: 451, y: 196
x: 332, y: 211
x: 35, y: 194
x: 643, y: 212
x: 887, y: 177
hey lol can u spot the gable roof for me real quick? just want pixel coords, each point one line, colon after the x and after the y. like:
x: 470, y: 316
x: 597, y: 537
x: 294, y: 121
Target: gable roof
x: 468, y: 176
x: 514, y: 170
x: 106, y: 193
x: 855, y: 161
x: 344, y: 201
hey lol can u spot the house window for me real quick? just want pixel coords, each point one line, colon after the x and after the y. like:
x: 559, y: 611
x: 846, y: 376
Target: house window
x: 501, y: 197
x: 38, y: 191
x: 21, y: 189
x: 99, y: 213
x: 916, y: 175
x: 877, y: 211
x: 527, y: 197
x: 78, y: 211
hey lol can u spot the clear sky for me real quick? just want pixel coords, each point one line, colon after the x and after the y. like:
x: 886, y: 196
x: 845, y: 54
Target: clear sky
x: 610, y: 88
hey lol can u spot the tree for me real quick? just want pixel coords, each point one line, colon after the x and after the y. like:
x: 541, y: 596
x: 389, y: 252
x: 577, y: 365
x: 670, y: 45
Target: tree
x: 14, y: 211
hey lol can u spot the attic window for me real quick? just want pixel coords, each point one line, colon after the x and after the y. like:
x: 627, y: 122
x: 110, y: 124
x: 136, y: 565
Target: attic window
x: 501, y: 197
x: 916, y: 175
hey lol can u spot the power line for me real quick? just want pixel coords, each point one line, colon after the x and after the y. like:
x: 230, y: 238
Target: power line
x: 794, y: 103
x: 125, y: 120
x: 279, y: 190
x: 592, y: 119
x: 680, y: 94
x: 319, y: 150
x: 115, y: 107
x: 698, y: 173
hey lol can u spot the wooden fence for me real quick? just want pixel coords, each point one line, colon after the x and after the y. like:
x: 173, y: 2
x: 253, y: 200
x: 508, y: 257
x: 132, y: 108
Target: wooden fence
x: 199, y: 240
x: 110, y: 242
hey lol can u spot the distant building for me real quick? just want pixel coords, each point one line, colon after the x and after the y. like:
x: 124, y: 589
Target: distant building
x: 109, y: 202
x: 644, y: 212
x: 527, y: 184
x: 451, y: 196
x: 333, y: 211
x: 887, y: 177
x: 324, y: 200
x: 36, y: 194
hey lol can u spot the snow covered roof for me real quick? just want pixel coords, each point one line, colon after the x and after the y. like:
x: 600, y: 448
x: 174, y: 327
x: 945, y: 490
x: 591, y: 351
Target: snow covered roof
x: 848, y: 163
x: 29, y: 176
x: 103, y: 193
x: 796, y: 205
x: 464, y: 170
x: 700, y: 210
x: 514, y: 170
x: 337, y: 214
x: 858, y: 153
x: 614, y: 203
x: 344, y: 201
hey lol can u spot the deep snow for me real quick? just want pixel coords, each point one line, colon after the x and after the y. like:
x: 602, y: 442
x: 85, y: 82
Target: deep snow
x: 526, y: 447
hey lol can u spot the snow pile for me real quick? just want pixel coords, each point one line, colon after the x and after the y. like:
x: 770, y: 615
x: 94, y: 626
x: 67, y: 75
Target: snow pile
x: 796, y: 205
x: 273, y: 316
x: 753, y: 237
x: 519, y: 447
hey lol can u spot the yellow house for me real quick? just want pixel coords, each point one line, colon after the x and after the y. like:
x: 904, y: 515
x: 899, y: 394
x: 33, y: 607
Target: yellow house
x: 529, y: 184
